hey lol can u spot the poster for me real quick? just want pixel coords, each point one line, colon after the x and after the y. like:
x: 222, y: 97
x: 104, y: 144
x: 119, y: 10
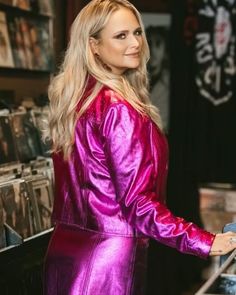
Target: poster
x: 157, y: 27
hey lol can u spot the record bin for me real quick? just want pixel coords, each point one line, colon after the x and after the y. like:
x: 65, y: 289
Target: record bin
x: 223, y: 281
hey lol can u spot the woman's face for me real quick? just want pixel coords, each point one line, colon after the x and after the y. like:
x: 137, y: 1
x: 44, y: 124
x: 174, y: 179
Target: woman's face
x: 120, y: 43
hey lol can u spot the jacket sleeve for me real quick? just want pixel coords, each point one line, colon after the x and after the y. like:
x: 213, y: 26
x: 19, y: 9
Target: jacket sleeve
x: 127, y: 143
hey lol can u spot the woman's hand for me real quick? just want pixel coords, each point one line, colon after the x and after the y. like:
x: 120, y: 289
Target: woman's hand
x: 223, y: 244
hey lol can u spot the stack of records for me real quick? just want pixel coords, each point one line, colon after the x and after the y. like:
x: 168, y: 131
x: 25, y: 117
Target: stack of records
x: 26, y: 203
x: 21, y: 136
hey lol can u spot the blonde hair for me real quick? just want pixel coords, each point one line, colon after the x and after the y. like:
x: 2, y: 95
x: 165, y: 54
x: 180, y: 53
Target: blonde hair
x: 67, y: 88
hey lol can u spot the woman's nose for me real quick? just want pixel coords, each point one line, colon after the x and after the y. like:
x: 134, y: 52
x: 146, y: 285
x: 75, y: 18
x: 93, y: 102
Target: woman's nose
x: 134, y: 41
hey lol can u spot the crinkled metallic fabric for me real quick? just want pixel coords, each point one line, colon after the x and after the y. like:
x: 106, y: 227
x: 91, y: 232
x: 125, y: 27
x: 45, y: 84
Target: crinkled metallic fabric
x: 86, y: 262
x: 110, y: 198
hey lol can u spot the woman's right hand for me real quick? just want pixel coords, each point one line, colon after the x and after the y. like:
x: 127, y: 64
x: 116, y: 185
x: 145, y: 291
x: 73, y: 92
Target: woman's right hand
x: 223, y: 244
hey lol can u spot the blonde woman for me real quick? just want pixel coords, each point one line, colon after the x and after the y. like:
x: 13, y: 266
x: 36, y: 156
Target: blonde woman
x: 110, y: 160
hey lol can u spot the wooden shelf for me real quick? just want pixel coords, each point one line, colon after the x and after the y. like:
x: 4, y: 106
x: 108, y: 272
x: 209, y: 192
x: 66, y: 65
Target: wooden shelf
x: 16, y: 11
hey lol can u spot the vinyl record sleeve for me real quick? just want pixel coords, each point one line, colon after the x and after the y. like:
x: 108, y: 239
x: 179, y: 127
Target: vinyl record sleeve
x: 7, y: 144
x: 46, y: 7
x: 40, y: 118
x: 24, y: 27
x: 16, y: 207
x: 19, y: 52
x: 25, y: 136
x: 44, y: 166
x: 41, y: 45
x: 42, y: 201
x: 6, y: 58
x: 22, y: 4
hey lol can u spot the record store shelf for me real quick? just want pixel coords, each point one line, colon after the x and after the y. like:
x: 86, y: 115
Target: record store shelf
x: 21, y: 266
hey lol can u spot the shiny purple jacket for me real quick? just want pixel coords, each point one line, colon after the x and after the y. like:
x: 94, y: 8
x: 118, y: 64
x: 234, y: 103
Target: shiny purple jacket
x: 110, y: 198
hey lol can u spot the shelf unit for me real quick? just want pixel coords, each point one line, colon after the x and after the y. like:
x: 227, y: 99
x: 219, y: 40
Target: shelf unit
x: 21, y: 265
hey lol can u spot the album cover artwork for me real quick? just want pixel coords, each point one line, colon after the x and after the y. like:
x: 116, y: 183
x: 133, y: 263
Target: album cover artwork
x: 37, y: 52
x: 44, y: 166
x: 49, y: 173
x: 46, y: 7
x: 41, y: 45
x: 7, y: 146
x: 25, y: 223
x: 41, y: 163
x: 16, y: 207
x: 10, y: 170
x: 42, y: 202
x: 22, y: 4
x: 25, y: 136
x: 18, y: 41
x: 6, y: 58
x: 40, y: 120
x: 24, y: 27
x: 14, y: 40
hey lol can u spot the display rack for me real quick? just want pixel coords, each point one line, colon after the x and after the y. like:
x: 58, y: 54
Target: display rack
x: 221, y: 282
x: 27, y: 40
x: 21, y: 266
x: 21, y: 262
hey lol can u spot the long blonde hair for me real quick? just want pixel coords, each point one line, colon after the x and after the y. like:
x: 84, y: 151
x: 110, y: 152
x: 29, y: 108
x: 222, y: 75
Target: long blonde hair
x: 67, y: 87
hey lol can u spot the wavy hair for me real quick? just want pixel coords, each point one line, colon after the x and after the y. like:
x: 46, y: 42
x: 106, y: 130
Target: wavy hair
x: 67, y: 87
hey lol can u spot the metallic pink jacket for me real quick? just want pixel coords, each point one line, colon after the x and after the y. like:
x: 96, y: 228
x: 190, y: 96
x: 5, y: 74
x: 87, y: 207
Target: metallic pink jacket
x: 110, y: 198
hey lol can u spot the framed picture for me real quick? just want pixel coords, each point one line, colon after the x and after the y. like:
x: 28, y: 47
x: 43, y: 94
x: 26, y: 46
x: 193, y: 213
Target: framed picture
x: 41, y: 196
x: 157, y: 28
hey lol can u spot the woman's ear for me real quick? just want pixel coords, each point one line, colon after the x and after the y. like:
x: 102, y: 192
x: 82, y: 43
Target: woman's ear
x: 94, y: 45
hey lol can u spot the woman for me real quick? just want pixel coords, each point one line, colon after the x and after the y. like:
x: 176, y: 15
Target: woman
x: 110, y: 161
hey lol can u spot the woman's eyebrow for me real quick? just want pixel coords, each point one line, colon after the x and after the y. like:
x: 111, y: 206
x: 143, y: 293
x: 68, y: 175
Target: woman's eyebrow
x: 126, y: 31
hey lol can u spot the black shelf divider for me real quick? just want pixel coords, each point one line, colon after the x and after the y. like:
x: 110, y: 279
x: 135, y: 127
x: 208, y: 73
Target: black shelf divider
x: 21, y: 266
x: 23, y: 73
x: 16, y: 11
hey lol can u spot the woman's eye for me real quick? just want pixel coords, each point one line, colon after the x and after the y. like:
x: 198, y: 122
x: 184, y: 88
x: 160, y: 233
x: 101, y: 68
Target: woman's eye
x: 138, y: 32
x: 121, y: 36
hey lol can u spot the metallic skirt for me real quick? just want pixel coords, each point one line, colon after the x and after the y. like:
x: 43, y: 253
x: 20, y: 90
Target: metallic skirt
x: 84, y: 262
